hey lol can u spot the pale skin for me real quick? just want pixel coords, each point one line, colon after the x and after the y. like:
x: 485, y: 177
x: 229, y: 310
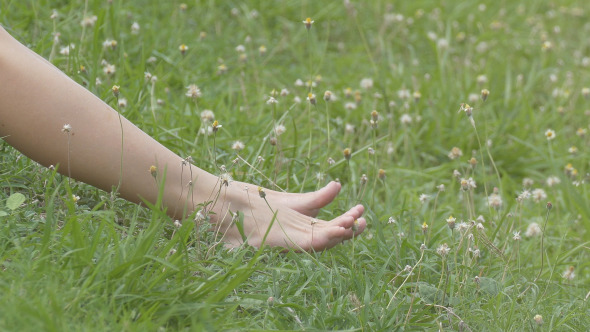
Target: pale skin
x: 37, y: 100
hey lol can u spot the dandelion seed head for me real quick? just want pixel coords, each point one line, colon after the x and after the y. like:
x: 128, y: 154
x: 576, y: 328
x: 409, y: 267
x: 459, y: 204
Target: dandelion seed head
x: 238, y: 146
x: 405, y: 119
x: 539, y: 195
x: 350, y: 106
x: 495, y: 201
x: 423, y: 198
x: 533, y: 230
x: 193, y: 91
x: 366, y: 83
x: 135, y: 28
x: 552, y: 181
x: 89, y: 21
x: 207, y: 116
x: 279, y: 129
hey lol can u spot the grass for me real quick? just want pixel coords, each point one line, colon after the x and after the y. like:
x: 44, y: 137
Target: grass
x: 104, y: 264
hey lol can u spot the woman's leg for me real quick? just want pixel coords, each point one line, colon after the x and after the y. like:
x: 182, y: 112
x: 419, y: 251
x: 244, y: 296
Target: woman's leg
x: 37, y: 100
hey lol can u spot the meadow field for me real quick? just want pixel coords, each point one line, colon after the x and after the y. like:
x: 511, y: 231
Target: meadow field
x: 461, y: 126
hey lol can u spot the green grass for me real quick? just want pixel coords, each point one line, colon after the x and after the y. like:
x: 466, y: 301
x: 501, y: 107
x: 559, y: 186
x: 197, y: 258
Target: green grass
x: 99, y: 265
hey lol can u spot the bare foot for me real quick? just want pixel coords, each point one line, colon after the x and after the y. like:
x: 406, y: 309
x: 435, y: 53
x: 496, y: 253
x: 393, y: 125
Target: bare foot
x: 294, y: 227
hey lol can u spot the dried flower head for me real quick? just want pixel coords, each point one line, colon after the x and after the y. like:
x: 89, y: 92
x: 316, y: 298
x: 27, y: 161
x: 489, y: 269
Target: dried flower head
x: 533, y: 230
x: 154, y: 171
x: 207, y: 116
x: 279, y: 129
x: 451, y: 222
x: 261, y: 192
x: 109, y: 69
x: 484, y: 94
x: 366, y: 83
x: 347, y: 153
x: 443, y: 249
x: 495, y: 200
x: 238, y: 146
x: 135, y: 28
x: 89, y: 21
x: 539, y: 195
x: 424, y: 227
x: 516, y: 236
x: 405, y: 119
x: 423, y: 198
x: 364, y: 179
x: 455, y: 153
x: 569, y: 274
x: 193, y: 91
x: 355, y: 225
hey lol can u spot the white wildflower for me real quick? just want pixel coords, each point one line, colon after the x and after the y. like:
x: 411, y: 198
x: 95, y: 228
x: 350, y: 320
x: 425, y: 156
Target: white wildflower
x: 533, y: 230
